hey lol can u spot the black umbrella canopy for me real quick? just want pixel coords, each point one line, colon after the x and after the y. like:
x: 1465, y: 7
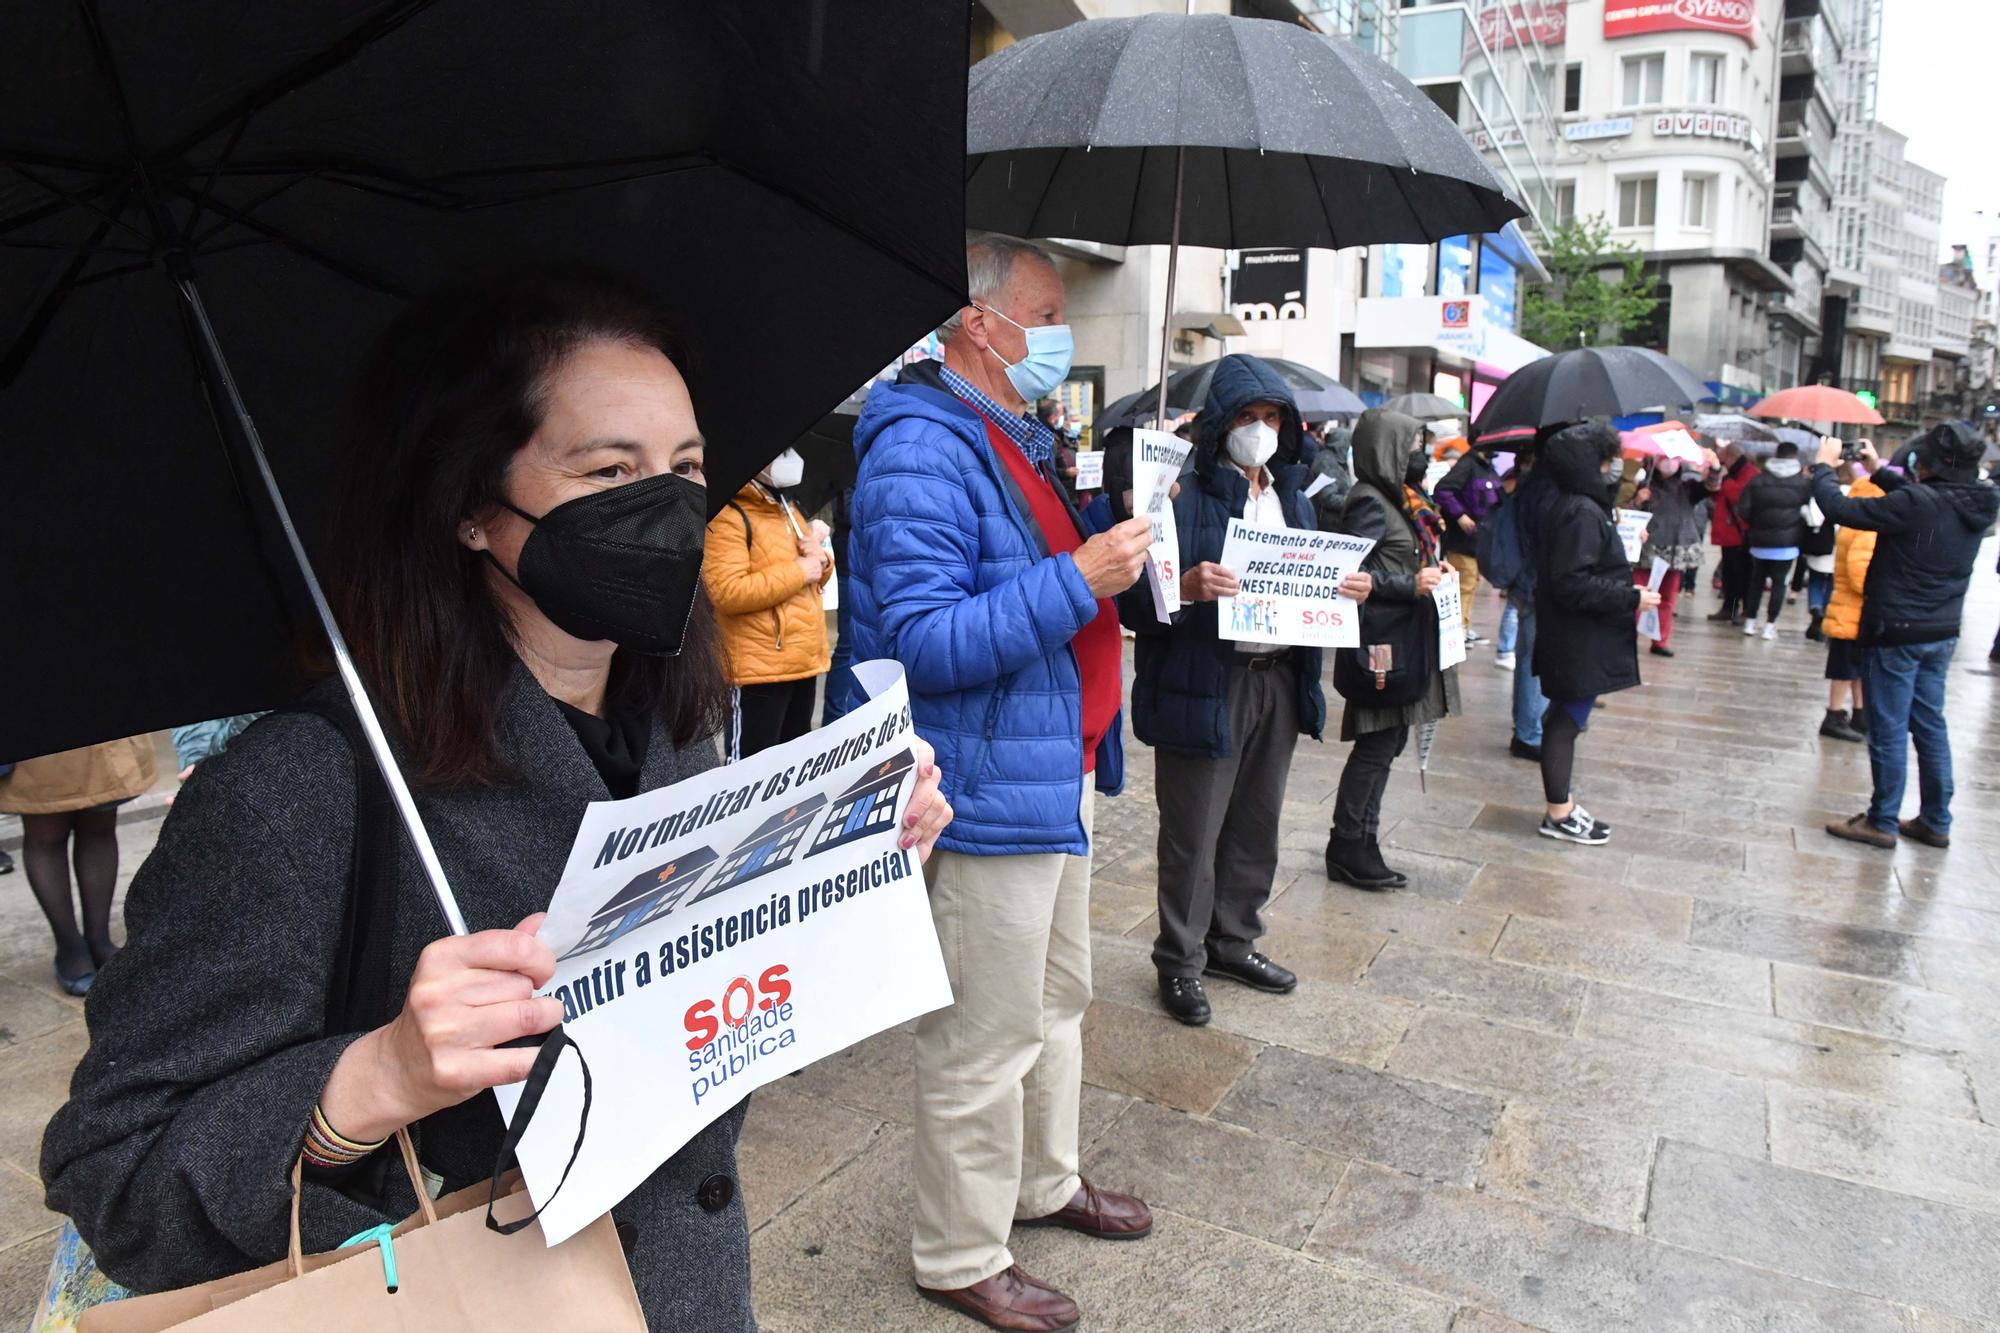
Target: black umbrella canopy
x: 305, y: 167
x: 1291, y: 139
x: 1320, y: 397
x: 1587, y: 382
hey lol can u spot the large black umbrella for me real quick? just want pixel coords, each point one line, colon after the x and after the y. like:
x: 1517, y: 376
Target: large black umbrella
x: 202, y: 198
x: 1587, y: 382
x: 1319, y: 396
x: 1215, y: 131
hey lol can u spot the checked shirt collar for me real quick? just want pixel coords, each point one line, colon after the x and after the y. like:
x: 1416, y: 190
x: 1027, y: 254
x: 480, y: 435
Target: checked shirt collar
x: 1035, y: 440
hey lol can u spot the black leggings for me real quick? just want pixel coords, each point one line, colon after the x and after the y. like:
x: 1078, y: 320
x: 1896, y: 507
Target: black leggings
x: 1357, y: 806
x: 88, y: 840
x: 1735, y: 578
x: 1774, y: 572
x: 1559, y: 733
x: 761, y: 716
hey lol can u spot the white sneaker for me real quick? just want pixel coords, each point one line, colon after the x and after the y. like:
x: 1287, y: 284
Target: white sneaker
x: 1771, y: 630
x: 1750, y: 629
x: 1505, y: 661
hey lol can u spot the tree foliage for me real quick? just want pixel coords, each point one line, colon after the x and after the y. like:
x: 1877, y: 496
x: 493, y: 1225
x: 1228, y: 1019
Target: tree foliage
x: 1580, y: 306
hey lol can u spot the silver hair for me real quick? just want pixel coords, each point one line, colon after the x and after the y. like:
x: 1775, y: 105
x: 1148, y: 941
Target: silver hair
x: 989, y: 262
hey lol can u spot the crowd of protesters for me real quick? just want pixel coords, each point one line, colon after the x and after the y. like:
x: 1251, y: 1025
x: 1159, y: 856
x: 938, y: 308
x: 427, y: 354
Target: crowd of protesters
x: 963, y: 549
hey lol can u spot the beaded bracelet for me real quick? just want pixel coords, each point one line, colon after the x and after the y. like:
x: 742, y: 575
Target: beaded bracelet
x: 329, y: 1149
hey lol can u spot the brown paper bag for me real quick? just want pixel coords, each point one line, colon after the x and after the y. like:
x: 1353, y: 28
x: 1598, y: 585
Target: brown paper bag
x: 452, y: 1271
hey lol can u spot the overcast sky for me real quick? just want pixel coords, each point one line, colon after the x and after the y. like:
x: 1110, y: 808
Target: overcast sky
x: 1940, y: 84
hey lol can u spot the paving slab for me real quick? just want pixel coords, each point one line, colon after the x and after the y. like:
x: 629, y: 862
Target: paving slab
x: 1348, y: 1111
x: 1148, y: 1055
x: 1844, y: 1235
x: 1320, y: 1017
x: 1404, y: 916
x: 1587, y: 1169
x: 24, y: 1275
x: 1565, y: 1276
x: 1934, y: 1157
x: 1482, y: 987
x: 1586, y: 904
x: 1217, y: 1173
x: 1887, y: 1009
x: 1594, y: 1079
x: 1765, y: 1046
x: 1707, y: 975
x: 876, y: 1076
x: 34, y: 1083
x: 790, y: 1143
x: 1793, y: 939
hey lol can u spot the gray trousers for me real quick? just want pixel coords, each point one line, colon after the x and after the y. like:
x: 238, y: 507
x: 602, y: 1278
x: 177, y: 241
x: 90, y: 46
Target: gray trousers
x: 1218, y: 848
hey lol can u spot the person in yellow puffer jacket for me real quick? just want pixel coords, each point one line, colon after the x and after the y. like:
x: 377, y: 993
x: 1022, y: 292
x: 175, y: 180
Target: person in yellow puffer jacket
x: 1853, y: 548
x: 764, y: 567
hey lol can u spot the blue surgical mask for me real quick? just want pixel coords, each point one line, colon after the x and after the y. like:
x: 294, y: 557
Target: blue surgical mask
x: 1050, y: 347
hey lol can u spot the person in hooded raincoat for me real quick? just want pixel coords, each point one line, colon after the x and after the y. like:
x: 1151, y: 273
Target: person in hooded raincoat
x: 1224, y: 716
x: 1407, y: 564
x: 1584, y: 600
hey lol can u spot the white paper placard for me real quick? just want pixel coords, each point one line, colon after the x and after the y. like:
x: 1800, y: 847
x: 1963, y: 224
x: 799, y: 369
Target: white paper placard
x: 1157, y: 456
x: 1451, y: 620
x: 1649, y: 621
x: 721, y: 933
x: 1290, y: 580
x: 1632, y: 531
x: 1434, y: 474
x: 829, y: 592
x: 1090, y: 471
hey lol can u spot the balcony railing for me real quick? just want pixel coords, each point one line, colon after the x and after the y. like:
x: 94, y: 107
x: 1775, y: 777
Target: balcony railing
x: 1897, y: 411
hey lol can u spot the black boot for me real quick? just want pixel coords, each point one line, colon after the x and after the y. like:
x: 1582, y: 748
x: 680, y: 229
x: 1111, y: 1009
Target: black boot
x: 1397, y: 879
x: 1813, y: 631
x: 1836, y: 727
x: 1858, y: 719
x: 1347, y: 861
x: 1184, y: 998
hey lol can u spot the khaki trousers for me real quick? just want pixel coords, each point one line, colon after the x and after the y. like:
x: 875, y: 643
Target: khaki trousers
x: 1000, y: 1071
x: 1467, y: 566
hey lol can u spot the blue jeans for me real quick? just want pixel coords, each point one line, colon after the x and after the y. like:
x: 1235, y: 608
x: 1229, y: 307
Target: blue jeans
x: 1819, y: 591
x: 1528, y: 701
x: 1510, y: 625
x: 1905, y: 692
x: 842, y: 691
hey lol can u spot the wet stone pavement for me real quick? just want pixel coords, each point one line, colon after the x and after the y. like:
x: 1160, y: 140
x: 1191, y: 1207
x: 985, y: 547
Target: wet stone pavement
x: 1725, y: 1073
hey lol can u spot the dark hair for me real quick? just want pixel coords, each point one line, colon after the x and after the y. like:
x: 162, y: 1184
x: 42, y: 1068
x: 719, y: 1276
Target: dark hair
x: 1786, y: 450
x: 449, y: 393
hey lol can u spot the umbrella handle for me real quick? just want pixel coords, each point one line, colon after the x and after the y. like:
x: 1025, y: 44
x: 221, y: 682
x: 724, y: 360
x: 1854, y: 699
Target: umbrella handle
x: 210, y: 351
x: 1173, y: 267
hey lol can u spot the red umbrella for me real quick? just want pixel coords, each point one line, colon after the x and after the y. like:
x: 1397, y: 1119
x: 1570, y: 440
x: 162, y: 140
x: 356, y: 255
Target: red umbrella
x: 1818, y: 402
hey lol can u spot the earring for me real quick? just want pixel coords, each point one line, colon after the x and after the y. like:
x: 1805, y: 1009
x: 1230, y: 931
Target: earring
x: 472, y: 532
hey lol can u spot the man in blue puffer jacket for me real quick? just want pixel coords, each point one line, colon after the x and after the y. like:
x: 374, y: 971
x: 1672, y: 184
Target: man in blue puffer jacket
x: 1224, y: 716
x: 968, y: 566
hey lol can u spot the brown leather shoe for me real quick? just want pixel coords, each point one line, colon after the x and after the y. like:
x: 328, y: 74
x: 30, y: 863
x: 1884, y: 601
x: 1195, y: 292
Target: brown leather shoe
x: 1012, y: 1300
x: 1100, y: 1213
x: 1919, y: 831
x: 1858, y: 829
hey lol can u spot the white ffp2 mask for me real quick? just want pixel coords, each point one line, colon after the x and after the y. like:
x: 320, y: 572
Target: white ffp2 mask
x: 1252, y: 444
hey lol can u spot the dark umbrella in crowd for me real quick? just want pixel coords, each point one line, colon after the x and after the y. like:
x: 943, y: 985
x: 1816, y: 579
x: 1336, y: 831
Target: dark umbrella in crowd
x: 207, y: 210
x: 1424, y: 406
x: 1586, y: 382
x: 1319, y: 396
x: 1217, y: 131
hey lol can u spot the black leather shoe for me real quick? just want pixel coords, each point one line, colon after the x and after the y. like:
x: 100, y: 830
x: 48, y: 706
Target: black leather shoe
x: 1520, y: 749
x: 1184, y: 998
x: 1253, y: 970
x: 1397, y: 879
x: 1347, y: 861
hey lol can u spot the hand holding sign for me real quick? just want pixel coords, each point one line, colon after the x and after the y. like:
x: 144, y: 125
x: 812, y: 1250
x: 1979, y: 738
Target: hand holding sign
x: 1208, y: 581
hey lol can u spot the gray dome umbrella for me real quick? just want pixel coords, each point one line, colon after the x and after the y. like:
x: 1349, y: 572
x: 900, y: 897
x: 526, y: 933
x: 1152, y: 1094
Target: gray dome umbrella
x: 1424, y: 406
x: 1217, y: 131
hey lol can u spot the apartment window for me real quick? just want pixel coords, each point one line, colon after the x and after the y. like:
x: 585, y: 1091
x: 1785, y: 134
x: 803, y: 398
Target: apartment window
x: 1642, y: 80
x: 1698, y: 202
x: 1704, y: 79
x: 1573, y: 87
x: 1637, y: 196
x: 1565, y: 202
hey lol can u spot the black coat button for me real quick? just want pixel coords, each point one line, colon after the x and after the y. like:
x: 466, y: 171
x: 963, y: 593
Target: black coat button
x: 715, y: 1193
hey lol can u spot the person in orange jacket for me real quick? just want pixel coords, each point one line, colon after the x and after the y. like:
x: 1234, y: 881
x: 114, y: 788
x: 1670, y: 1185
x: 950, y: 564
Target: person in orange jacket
x: 764, y: 567
x: 1853, y: 548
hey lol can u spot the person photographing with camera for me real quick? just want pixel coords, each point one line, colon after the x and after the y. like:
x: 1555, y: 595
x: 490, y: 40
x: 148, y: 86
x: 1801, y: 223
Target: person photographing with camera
x: 1928, y: 525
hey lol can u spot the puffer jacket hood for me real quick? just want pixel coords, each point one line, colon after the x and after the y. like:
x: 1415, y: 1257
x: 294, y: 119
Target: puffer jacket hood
x: 1974, y: 504
x: 1383, y: 441
x: 1572, y: 460
x: 1240, y: 380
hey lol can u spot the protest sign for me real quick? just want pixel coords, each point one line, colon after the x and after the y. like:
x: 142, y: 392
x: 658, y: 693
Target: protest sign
x: 1632, y: 531
x: 1156, y: 465
x: 1435, y: 473
x: 1090, y: 471
x: 829, y: 593
x: 1649, y: 621
x: 1451, y: 620
x: 721, y: 933
x: 1290, y: 580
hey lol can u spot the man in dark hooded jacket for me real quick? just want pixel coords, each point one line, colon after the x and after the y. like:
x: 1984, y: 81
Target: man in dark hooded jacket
x: 1930, y: 525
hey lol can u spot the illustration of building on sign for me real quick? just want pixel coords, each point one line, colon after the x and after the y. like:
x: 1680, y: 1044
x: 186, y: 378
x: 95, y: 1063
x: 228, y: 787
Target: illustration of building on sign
x: 652, y: 894
x: 869, y: 806
x: 771, y: 847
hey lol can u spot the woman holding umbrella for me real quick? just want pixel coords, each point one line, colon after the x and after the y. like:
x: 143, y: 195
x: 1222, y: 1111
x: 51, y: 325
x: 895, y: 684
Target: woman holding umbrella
x: 1584, y: 602
x: 525, y: 458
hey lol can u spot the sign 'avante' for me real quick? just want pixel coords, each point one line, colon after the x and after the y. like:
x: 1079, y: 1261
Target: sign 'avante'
x: 1631, y: 18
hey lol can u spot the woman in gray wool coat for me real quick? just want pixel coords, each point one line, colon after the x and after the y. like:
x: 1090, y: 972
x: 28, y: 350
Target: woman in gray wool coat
x: 515, y: 559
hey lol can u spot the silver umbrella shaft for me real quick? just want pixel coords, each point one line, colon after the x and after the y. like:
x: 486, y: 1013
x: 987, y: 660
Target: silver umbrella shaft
x: 357, y: 693
x: 1173, y: 267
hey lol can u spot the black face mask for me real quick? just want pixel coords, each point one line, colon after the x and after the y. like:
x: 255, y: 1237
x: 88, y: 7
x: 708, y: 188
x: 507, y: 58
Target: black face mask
x: 1413, y: 471
x: 622, y: 564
